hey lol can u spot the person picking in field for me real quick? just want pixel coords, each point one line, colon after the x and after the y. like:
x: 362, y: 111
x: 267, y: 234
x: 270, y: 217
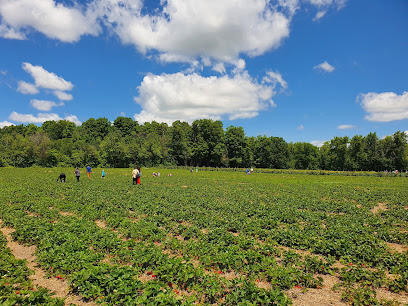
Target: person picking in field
x: 62, y: 177
x: 88, y: 171
x: 138, y: 176
x: 103, y: 173
x: 135, y: 175
x: 77, y: 174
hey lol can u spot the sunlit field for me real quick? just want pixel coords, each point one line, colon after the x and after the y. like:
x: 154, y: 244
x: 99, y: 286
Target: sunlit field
x: 207, y: 237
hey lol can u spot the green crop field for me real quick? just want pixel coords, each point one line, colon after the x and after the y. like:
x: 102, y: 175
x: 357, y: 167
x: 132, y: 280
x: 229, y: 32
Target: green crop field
x: 211, y: 237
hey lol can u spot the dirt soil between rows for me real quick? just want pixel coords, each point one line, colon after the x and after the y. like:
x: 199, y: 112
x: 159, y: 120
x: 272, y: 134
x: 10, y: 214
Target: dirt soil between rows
x: 39, y: 278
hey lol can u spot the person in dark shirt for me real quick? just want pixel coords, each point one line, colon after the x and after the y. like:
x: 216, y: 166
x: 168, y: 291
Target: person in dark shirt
x: 77, y: 174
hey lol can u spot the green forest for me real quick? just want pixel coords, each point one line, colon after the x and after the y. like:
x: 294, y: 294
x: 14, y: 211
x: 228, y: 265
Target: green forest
x: 204, y: 143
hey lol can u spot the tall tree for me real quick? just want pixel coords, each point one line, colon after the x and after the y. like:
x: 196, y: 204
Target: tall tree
x: 94, y: 131
x: 180, y: 145
x: 371, y: 154
x: 304, y: 155
x: 235, y: 145
x: 125, y: 125
x: 208, y: 142
x: 114, y: 151
x: 354, y: 157
x: 271, y: 152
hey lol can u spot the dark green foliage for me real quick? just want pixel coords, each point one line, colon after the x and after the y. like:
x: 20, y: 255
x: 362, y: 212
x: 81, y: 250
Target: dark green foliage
x: 204, y: 143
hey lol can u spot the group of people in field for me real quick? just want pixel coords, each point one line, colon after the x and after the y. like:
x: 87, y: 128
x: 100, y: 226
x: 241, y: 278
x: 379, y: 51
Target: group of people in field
x: 77, y: 172
x: 136, y: 173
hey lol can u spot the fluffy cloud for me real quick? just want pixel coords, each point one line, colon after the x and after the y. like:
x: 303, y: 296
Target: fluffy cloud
x: 45, y: 79
x: 10, y: 33
x: 63, y: 96
x: 346, y: 127
x: 5, y: 123
x: 384, y: 107
x: 52, y: 19
x: 27, y: 88
x: 325, y: 66
x: 318, y: 143
x: 300, y: 128
x: 171, y: 97
x: 44, y: 105
x: 209, y: 29
x: 41, y: 117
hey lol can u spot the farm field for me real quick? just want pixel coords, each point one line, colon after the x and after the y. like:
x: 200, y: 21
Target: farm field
x: 206, y: 238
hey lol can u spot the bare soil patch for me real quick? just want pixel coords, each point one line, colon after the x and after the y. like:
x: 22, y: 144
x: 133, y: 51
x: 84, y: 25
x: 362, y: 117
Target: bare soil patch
x: 39, y: 278
x: 100, y: 224
x: 323, y: 296
x: 263, y: 285
x: 383, y: 294
x: 400, y: 248
x: 66, y: 213
x: 379, y: 207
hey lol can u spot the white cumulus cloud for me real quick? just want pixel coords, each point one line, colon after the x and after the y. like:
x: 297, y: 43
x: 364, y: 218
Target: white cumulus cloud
x: 5, y: 123
x: 384, y: 107
x: 63, y: 95
x: 10, y: 33
x: 171, y: 97
x: 186, y: 30
x: 45, y: 79
x: 318, y: 143
x: 44, y: 105
x: 27, y: 88
x: 346, y: 127
x: 41, y: 118
x: 325, y: 66
x: 53, y: 19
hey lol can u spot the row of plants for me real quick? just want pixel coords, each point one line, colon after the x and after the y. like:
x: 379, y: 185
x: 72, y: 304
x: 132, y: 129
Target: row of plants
x: 16, y: 288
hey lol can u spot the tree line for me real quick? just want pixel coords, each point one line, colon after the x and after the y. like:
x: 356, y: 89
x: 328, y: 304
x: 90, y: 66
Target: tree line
x: 204, y: 143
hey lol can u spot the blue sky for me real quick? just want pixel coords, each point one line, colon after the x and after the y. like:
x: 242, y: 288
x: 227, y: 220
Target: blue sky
x: 304, y: 70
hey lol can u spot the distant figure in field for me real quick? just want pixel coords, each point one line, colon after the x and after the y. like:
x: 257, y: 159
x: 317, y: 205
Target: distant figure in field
x: 103, y: 173
x: 158, y: 173
x: 88, y: 171
x: 77, y: 173
x: 192, y: 170
x: 170, y: 174
x: 252, y: 170
x: 136, y: 173
x: 154, y: 174
x: 62, y: 177
x: 138, y: 176
x: 247, y: 171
